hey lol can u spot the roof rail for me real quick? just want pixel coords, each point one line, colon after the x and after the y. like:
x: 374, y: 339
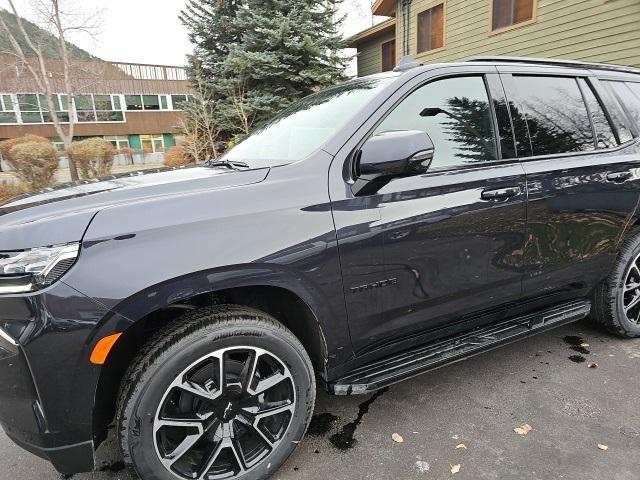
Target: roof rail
x: 552, y: 62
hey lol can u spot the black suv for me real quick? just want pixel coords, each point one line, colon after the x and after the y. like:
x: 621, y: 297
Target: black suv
x: 368, y: 233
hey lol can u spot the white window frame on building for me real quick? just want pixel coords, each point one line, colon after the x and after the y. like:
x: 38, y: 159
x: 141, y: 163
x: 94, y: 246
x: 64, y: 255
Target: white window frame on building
x: 39, y: 110
x: 99, y: 115
x: 146, y: 104
x: 8, y: 109
x: 154, y: 141
x: 42, y: 108
x: 118, y: 141
x: 183, y: 99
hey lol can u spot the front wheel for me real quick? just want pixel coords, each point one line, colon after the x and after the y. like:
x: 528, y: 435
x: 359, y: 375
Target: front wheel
x: 225, y: 393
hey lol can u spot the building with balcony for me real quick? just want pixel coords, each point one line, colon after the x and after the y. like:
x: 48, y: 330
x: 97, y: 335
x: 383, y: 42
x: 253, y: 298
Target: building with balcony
x: 446, y: 30
x: 131, y: 105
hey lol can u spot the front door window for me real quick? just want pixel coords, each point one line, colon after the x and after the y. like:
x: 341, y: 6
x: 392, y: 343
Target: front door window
x: 456, y: 114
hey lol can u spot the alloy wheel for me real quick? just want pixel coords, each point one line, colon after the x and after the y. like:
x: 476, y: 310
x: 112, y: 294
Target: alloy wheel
x: 224, y: 414
x: 631, y: 292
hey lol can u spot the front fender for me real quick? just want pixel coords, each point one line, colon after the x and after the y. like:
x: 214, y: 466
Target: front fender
x: 143, y: 256
x: 134, y: 308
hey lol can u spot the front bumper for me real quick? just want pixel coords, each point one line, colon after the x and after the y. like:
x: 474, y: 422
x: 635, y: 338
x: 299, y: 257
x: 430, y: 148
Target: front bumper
x: 47, y: 384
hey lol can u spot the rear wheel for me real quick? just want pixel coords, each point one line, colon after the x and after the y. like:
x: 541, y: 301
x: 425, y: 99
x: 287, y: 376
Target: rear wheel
x: 226, y: 393
x: 617, y: 299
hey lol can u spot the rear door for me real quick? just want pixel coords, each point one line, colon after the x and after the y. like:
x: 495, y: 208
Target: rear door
x: 581, y: 161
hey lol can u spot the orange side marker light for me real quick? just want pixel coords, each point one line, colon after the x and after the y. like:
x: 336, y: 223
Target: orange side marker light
x: 102, y: 349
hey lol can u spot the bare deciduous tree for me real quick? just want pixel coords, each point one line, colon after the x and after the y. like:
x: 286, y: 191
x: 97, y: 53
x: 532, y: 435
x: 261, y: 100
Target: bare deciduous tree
x: 59, y: 17
x: 238, y: 99
x: 200, y: 127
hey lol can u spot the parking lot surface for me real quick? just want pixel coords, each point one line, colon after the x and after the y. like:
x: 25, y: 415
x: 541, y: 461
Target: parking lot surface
x: 585, y: 422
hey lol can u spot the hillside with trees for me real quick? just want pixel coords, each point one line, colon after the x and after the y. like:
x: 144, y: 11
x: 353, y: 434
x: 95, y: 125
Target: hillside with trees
x: 48, y: 42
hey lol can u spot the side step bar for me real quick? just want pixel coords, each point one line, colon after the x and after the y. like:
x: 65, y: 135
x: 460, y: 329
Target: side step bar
x: 402, y: 366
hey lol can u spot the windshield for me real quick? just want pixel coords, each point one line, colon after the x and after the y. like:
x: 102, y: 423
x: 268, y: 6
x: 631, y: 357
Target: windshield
x: 306, y: 125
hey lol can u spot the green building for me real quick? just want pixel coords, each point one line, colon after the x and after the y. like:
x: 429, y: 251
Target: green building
x: 432, y: 31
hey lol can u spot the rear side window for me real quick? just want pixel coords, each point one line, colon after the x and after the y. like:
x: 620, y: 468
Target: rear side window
x: 604, y: 131
x: 630, y: 102
x: 635, y: 88
x: 620, y: 122
x: 555, y: 113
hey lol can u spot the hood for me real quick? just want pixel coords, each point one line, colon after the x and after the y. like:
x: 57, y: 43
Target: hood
x: 62, y: 214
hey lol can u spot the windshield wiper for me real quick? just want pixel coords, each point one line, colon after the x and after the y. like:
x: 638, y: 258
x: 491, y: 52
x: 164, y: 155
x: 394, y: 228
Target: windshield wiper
x: 233, y: 165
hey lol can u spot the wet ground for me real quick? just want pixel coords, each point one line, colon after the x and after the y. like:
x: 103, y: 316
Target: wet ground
x: 545, y: 382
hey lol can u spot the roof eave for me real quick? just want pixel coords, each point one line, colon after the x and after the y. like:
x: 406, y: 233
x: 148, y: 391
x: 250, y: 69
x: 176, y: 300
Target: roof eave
x: 385, y: 8
x: 372, y: 33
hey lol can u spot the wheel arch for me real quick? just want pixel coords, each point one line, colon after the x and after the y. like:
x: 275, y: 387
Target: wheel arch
x: 274, y: 292
x: 631, y: 226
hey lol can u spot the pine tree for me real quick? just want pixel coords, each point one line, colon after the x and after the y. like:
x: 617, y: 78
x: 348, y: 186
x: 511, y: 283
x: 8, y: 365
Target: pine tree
x: 258, y: 56
x: 213, y: 29
x: 289, y: 49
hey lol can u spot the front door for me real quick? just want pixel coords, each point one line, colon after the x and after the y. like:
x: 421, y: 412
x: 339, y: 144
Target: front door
x: 451, y: 241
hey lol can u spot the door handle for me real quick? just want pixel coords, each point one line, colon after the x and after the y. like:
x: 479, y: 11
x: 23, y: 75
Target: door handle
x: 619, y: 177
x: 500, y: 193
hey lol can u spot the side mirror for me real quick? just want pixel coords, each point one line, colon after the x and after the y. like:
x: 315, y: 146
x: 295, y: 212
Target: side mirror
x: 395, y: 154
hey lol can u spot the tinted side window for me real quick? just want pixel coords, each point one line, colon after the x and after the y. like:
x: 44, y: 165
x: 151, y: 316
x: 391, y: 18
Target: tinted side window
x: 604, y: 132
x: 629, y: 101
x: 556, y: 114
x: 619, y: 120
x: 635, y: 88
x: 456, y: 114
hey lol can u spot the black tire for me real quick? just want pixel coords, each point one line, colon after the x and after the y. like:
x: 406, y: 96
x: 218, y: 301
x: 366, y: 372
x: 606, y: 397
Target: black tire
x: 166, y: 358
x: 609, y: 297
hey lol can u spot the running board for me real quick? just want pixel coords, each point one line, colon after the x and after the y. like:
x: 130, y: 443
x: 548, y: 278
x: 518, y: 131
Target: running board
x: 402, y: 366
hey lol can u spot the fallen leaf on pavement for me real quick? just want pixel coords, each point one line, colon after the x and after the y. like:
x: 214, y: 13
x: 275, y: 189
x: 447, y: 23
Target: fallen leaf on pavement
x: 603, y: 447
x: 593, y: 365
x: 523, y: 430
x: 455, y: 469
x: 397, y: 438
x: 462, y: 445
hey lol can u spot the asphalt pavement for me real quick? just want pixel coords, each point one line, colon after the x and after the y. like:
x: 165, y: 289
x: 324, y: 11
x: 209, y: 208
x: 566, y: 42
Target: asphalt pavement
x: 584, y: 422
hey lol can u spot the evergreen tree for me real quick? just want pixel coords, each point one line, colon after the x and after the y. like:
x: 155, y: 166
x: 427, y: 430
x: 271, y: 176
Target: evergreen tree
x: 255, y: 57
x: 213, y: 30
x: 289, y: 49
x: 469, y: 125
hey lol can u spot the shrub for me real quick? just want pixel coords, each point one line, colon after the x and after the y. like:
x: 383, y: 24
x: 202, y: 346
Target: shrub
x: 35, y: 163
x: 10, y: 190
x: 7, y: 145
x: 93, y: 156
x: 127, y: 152
x: 175, y: 157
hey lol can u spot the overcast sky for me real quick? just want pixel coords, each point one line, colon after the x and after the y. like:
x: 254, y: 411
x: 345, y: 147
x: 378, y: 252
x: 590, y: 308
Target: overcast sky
x: 148, y: 31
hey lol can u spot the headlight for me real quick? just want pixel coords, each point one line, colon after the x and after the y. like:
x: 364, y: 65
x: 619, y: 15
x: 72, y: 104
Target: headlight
x: 34, y: 269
